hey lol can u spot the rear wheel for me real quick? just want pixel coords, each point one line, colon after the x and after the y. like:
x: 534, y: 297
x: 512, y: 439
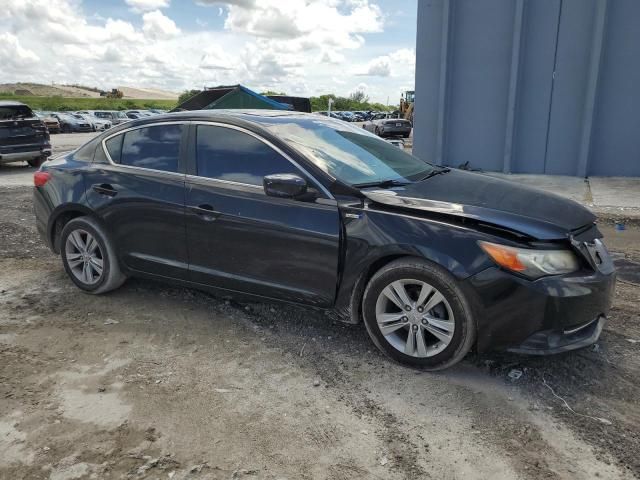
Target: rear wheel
x: 37, y: 162
x: 88, y: 256
x: 416, y: 314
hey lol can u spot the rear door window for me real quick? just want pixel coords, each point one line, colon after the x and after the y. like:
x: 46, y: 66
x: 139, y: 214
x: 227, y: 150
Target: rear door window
x: 155, y: 148
x: 231, y: 155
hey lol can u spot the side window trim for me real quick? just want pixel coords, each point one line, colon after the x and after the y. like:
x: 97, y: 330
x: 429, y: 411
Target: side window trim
x: 183, y: 142
x: 295, y: 164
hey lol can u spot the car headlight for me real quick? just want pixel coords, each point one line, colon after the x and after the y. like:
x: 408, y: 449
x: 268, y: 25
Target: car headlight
x: 529, y: 262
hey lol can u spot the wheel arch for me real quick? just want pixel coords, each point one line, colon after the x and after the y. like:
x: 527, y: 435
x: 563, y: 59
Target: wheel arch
x: 383, y: 258
x: 355, y: 302
x: 60, y: 217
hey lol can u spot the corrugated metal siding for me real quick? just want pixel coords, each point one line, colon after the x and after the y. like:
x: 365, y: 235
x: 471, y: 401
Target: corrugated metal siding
x: 529, y: 86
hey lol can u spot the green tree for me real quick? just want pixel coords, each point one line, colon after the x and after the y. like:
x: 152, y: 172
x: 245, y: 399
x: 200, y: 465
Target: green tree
x: 359, y: 97
x: 357, y: 101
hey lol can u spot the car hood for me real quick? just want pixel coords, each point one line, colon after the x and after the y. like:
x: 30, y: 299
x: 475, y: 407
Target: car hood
x: 526, y: 210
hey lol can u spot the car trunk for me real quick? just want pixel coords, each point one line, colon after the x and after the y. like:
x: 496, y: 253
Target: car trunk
x: 398, y: 122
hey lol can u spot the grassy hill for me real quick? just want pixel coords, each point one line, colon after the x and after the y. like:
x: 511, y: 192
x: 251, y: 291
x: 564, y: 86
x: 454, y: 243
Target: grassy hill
x: 60, y: 103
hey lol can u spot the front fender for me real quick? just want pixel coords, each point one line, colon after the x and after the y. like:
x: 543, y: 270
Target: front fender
x: 377, y: 238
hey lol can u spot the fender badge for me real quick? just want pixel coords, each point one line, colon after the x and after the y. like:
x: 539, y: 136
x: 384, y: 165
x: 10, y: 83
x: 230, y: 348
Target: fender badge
x: 352, y: 215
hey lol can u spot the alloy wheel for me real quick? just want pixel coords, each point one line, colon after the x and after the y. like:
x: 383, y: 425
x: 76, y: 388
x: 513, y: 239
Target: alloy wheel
x: 84, y: 257
x: 415, y: 318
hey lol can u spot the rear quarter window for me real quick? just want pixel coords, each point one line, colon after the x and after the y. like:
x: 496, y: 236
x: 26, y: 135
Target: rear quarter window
x: 114, y: 147
x: 86, y: 152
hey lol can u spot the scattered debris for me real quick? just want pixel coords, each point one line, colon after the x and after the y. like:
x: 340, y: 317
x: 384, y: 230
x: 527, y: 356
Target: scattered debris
x: 597, y: 419
x: 316, y: 382
x: 223, y: 390
x: 515, y: 374
x: 242, y: 473
x: 631, y: 340
x: 199, y: 468
x: 384, y: 461
x: 110, y: 321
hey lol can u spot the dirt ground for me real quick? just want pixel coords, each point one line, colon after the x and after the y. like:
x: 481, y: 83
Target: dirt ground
x: 156, y: 382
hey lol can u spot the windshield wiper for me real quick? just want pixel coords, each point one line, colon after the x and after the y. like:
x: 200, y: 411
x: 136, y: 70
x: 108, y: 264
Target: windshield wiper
x: 439, y: 171
x: 382, y: 184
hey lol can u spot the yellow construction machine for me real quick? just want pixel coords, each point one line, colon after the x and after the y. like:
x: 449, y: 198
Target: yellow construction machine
x: 407, y: 101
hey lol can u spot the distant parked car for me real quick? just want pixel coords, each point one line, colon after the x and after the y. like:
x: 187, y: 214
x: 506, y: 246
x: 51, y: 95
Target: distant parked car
x: 72, y: 124
x: 135, y: 114
x: 23, y: 136
x: 380, y: 116
x: 114, y: 116
x: 396, y: 127
x: 52, y: 123
x: 99, y: 125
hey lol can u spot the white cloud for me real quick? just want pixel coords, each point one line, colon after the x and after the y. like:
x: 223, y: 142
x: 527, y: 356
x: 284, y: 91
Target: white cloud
x: 158, y: 26
x: 15, y: 56
x: 379, y: 67
x: 394, y: 64
x: 147, y: 5
x: 324, y: 20
x: 305, y: 47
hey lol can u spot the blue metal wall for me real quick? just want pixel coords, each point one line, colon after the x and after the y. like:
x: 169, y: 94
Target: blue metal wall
x: 529, y: 86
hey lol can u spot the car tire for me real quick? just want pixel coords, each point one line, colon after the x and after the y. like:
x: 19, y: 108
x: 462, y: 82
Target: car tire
x: 450, y: 319
x: 406, y: 135
x: 37, y: 162
x: 101, y: 273
x: 66, y: 129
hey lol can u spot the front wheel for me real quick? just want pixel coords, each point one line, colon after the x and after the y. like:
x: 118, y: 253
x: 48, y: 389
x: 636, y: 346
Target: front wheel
x: 416, y: 314
x: 88, y: 256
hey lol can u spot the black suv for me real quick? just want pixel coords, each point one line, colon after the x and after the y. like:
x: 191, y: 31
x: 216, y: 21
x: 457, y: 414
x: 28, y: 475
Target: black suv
x: 23, y: 136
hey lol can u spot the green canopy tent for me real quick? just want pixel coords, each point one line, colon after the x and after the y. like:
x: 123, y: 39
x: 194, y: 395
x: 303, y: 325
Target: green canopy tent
x: 231, y: 97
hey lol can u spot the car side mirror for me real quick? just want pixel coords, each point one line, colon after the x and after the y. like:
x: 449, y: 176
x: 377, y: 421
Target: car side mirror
x: 284, y: 185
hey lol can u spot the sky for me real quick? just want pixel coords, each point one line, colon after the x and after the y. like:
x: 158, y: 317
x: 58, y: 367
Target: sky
x: 300, y: 47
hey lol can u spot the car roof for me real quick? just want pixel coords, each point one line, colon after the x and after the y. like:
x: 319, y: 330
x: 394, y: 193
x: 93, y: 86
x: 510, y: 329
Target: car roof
x: 252, y: 116
x: 11, y: 103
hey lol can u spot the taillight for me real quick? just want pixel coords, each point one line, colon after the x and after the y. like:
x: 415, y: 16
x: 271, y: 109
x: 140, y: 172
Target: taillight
x: 41, y: 178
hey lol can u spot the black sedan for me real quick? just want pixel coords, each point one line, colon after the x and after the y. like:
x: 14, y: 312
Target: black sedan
x: 310, y: 210
x: 389, y: 127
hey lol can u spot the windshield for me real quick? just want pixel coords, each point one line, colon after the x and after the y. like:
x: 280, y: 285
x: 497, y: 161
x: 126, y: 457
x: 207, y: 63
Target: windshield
x: 348, y: 153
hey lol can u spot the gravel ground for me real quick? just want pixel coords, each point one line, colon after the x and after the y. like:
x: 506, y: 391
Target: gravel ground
x: 158, y: 382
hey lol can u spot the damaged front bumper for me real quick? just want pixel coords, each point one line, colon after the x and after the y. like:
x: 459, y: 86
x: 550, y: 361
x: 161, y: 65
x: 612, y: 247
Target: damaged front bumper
x: 550, y: 315
x: 550, y: 342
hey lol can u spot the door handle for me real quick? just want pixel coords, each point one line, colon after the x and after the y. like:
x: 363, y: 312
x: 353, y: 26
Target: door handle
x: 105, y: 189
x: 207, y: 212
